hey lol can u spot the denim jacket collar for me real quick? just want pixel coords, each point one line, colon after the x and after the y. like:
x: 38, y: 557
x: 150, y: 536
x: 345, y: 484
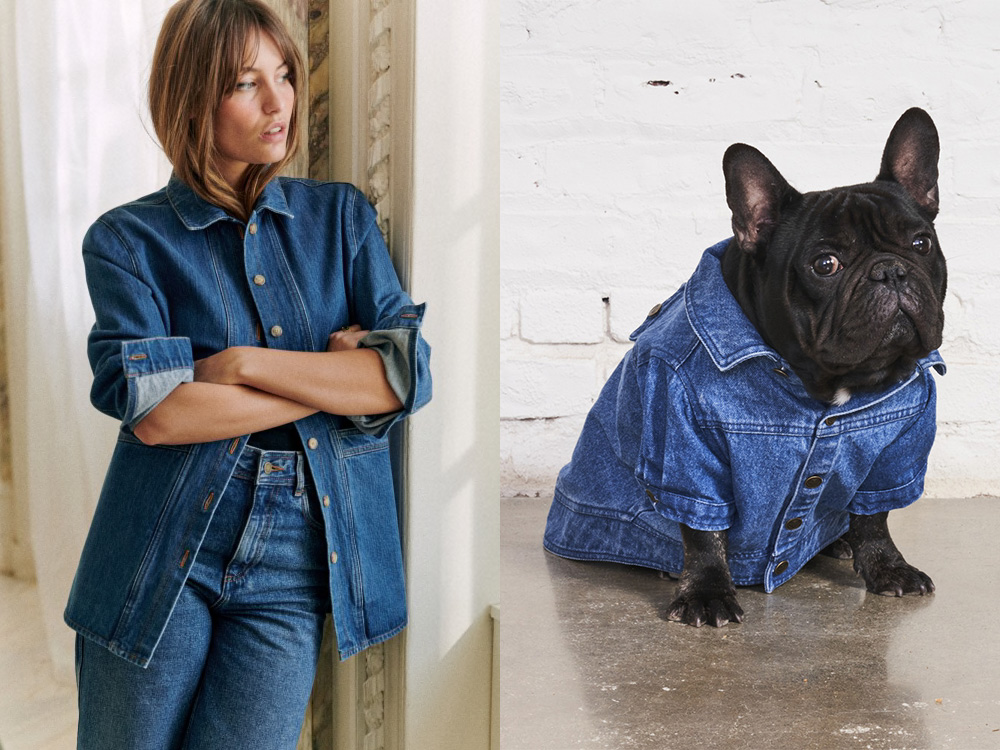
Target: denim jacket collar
x: 717, y: 318
x: 197, y: 213
x: 721, y: 325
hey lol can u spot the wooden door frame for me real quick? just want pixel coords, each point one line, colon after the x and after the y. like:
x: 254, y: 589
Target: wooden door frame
x: 370, y: 144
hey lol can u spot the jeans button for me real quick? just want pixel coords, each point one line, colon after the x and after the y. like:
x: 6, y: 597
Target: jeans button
x: 276, y: 331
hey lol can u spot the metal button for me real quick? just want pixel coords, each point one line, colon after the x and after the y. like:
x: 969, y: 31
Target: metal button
x: 813, y: 482
x: 830, y: 421
x: 276, y: 331
x: 793, y: 523
x: 651, y: 496
x: 655, y: 310
x: 259, y: 279
x: 269, y: 467
x: 326, y: 501
x: 333, y: 558
x: 780, y: 567
x: 781, y: 371
x: 253, y: 229
x: 313, y: 443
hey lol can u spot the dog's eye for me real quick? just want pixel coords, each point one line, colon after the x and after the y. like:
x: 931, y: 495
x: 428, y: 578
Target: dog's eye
x: 826, y: 265
x: 923, y: 244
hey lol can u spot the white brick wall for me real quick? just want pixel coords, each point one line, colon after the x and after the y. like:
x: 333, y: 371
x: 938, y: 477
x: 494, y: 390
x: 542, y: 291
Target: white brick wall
x: 612, y: 186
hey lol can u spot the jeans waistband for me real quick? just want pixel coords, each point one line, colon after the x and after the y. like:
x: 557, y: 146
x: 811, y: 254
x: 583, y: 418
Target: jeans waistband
x: 273, y: 467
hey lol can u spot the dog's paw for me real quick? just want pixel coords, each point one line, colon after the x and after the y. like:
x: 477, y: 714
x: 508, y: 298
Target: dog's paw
x: 899, y: 579
x: 698, y: 608
x: 839, y: 550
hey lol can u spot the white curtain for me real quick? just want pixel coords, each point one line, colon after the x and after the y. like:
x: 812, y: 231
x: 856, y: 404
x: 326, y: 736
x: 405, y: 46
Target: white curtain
x: 76, y: 141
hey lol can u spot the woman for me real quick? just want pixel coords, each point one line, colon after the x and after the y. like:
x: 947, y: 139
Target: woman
x: 253, y: 340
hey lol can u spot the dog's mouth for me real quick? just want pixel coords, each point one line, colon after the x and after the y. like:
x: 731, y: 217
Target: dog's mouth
x: 899, y: 324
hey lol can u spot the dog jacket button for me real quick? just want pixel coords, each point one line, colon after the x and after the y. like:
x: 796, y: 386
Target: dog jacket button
x: 793, y: 523
x: 782, y: 372
x: 813, y: 482
x: 830, y: 421
x: 781, y: 567
x: 655, y: 310
x: 651, y: 496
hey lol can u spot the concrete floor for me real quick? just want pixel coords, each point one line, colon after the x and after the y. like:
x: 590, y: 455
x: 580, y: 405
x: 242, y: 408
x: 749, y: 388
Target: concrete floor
x: 588, y: 660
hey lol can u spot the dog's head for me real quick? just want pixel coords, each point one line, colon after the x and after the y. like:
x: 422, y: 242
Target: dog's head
x: 846, y: 284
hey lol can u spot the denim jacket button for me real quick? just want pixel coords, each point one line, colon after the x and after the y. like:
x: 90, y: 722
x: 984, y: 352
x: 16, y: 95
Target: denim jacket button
x: 252, y: 229
x: 326, y: 501
x: 655, y: 310
x: 259, y: 279
x: 651, y: 497
x: 276, y: 331
x: 781, y: 567
x: 793, y: 523
x: 313, y: 443
x: 333, y: 558
x: 813, y: 482
x: 781, y: 371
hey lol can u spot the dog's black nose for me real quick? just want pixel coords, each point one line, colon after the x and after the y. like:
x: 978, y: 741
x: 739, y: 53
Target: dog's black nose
x: 887, y: 271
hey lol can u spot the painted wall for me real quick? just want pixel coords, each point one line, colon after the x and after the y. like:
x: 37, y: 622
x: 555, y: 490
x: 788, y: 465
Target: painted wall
x: 615, y: 116
x: 452, y: 551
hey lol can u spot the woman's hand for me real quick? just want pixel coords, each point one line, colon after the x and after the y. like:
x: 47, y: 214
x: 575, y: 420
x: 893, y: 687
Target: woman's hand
x: 223, y: 367
x: 346, y: 338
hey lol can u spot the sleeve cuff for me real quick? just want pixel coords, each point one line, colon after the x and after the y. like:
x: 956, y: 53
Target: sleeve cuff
x: 866, y: 503
x: 404, y: 355
x: 698, y: 513
x: 153, y: 368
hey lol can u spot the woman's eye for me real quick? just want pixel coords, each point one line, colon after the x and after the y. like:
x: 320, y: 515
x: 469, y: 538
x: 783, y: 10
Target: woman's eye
x: 923, y: 244
x: 245, y: 85
x: 826, y: 265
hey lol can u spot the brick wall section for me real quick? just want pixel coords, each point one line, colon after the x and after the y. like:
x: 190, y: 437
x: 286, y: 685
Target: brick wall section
x: 615, y: 116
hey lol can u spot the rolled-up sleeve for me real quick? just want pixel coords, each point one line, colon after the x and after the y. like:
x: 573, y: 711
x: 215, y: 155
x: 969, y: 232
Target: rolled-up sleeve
x: 381, y: 306
x: 136, y: 364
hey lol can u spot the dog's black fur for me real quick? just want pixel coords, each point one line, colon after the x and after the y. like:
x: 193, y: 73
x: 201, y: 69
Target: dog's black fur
x: 847, y: 285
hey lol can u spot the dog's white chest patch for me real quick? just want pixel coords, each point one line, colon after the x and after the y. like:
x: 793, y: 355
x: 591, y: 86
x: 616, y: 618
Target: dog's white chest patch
x: 841, y: 397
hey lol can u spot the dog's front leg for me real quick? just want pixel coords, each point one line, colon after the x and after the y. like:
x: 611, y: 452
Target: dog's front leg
x: 878, y: 561
x: 706, y: 592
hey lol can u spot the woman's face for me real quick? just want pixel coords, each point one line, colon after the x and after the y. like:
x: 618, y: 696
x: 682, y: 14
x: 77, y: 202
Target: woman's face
x: 251, y: 124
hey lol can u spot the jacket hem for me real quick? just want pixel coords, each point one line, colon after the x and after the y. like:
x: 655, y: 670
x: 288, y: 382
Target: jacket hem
x: 347, y: 653
x: 129, y: 656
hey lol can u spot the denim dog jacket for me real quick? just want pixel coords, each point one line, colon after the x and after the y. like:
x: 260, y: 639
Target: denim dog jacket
x: 703, y: 424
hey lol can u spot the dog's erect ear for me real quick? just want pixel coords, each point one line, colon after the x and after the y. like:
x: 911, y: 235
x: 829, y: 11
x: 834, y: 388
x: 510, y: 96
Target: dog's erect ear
x: 756, y: 193
x: 911, y: 158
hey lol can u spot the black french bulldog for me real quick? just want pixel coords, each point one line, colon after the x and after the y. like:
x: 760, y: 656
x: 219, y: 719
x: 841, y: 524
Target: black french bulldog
x: 847, y: 285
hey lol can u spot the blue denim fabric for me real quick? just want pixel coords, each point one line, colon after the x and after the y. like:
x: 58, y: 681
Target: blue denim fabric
x: 235, y: 666
x: 172, y: 279
x: 703, y: 424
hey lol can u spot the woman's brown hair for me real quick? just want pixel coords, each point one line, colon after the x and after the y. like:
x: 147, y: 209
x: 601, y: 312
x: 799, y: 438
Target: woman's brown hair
x: 202, y: 48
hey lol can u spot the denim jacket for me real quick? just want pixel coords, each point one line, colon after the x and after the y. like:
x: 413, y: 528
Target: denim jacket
x: 173, y: 279
x: 703, y: 424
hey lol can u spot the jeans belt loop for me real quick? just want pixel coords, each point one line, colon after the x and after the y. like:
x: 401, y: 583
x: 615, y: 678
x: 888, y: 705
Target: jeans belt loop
x: 300, y: 473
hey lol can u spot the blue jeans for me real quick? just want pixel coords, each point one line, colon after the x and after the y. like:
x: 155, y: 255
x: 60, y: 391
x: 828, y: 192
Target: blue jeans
x: 235, y: 666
